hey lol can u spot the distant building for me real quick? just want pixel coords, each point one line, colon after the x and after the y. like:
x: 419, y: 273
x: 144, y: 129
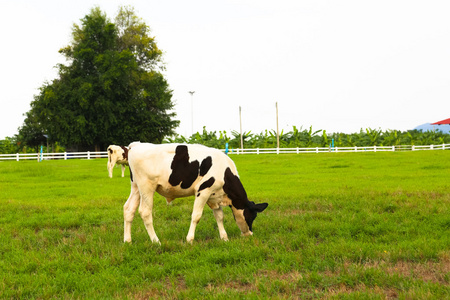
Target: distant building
x: 429, y: 127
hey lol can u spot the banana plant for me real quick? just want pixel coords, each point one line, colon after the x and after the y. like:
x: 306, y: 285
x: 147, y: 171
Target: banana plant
x: 309, y: 136
x: 374, y: 135
x: 325, y: 142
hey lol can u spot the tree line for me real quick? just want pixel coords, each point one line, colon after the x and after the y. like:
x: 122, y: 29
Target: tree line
x: 297, y: 137
x: 304, y: 138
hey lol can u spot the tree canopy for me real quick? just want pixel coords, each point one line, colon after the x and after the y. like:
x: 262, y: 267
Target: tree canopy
x: 111, y: 91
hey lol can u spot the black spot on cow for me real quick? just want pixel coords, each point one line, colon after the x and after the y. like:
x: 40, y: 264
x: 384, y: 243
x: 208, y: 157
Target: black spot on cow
x: 208, y: 183
x: 236, y: 192
x: 183, y: 171
x: 125, y: 152
x: 234, y: 189
x: 110, y: 153
x: 205, y: 166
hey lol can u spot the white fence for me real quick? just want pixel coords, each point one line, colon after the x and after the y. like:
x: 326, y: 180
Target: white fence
x: 104, y: 154
x: 60, y: 155
x: 340, y: 149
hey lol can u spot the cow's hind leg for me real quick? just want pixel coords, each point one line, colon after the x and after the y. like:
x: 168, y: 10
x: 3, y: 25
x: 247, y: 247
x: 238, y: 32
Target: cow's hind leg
x: 146, y: 212
x: 218, y: 214
x: 123, y: 170
x: 110, y: 168
x: 129, y: 209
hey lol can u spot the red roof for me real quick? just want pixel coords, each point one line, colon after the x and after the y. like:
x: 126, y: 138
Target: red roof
x: 443, y: 122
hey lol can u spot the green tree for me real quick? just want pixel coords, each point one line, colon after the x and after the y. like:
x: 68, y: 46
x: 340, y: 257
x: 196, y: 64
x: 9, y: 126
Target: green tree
x: 112, y: 90
x: 31, y: 134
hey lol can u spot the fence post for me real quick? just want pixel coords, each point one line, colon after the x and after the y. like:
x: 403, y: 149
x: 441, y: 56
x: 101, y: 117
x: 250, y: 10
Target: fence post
x: 257, y: 150
x: 393, y: 148
x: 65, y: 155
x: 413, y: 148
x: 431, y: 147
x: 375, y: 148
x: 443, y: 146
x: 278, y: 150
x: 317, y: 149
x: 88, y: 155
x: 17, y: 156
x: 356, y: 148
x: 297, y: 150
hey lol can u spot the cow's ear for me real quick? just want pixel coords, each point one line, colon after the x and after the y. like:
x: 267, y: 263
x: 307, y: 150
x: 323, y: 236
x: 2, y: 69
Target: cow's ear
x: 261, y: 207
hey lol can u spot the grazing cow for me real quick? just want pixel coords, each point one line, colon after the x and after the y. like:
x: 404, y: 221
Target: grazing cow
x: 176, y: 170
x: 117, y: 155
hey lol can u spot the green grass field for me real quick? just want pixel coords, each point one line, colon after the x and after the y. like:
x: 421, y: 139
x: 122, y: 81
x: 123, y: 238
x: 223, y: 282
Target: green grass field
x: 338, y: 226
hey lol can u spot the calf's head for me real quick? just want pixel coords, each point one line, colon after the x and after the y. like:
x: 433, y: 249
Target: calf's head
x: 245, y: 217
x: 244, y: 211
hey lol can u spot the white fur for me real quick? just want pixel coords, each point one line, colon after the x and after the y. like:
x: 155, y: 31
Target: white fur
x: 116, y: 157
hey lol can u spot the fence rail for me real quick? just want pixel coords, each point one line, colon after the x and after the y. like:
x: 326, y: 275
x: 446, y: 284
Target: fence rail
x: 59, y: 155
x: 340, y: 149
x: 104, y: 154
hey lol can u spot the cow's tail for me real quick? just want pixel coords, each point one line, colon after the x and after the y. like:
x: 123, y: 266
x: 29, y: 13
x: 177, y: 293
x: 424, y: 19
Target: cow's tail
x: 110, y: 164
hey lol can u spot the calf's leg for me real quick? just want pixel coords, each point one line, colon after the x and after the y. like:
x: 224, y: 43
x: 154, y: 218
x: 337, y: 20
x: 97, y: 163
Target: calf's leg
x: 199, y: 204
x: 123, y: 170
x: 218, y: 214
x: 146, y: 212
x: 129, y: 210
x: 110, y: 168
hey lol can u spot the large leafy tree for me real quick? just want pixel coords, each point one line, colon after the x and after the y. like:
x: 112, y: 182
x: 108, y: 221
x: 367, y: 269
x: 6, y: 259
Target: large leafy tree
x: 112, y: 90
x: 31, y: 133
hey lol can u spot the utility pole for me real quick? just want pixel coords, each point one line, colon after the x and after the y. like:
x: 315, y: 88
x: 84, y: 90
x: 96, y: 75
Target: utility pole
x: 278, y: 131
x: 240, y: 121
x: 192, y: 111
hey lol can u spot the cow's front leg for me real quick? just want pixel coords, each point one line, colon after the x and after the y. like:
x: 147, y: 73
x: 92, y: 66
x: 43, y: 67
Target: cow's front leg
x: 218, y: 214
x: 199, y: 204
x: 129, y: 209
x: 146, y: 212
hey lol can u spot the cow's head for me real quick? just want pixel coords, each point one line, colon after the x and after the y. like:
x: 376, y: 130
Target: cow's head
x: 244, y: 211
x: 245, y: 217
x: 251, y: 211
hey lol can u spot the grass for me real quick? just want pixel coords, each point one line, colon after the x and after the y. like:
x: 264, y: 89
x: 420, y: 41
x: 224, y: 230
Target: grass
x: 338, y: 226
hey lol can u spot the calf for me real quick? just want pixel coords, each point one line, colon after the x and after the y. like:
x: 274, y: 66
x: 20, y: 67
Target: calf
x: 176, y: 170
x: 117, y: 155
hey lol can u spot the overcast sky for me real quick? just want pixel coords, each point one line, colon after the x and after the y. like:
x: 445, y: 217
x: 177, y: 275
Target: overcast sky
x: 335, y: 65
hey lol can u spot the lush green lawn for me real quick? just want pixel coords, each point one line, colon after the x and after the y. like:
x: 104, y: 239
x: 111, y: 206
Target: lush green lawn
x: 338, y: 225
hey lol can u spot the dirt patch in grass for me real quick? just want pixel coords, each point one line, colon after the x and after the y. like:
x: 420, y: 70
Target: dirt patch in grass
x: 346, y: 290
x: 295, y: 284
x: 436, y: 272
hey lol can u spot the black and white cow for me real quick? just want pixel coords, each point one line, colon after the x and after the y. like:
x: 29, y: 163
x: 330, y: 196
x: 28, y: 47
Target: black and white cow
x: 176, y: 170
x: 117, y: 155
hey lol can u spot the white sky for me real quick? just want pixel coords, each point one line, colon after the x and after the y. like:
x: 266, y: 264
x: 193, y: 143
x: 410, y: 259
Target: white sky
x: 336, y: 65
